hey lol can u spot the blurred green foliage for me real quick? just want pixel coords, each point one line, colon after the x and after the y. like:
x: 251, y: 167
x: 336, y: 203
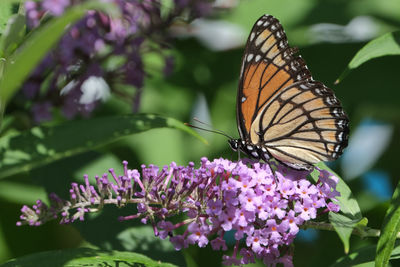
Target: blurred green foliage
x: 370, y: 91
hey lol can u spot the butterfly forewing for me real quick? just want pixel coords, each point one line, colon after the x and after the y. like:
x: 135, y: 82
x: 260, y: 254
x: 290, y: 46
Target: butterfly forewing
x: 268, y: 66
x: 281, y: 108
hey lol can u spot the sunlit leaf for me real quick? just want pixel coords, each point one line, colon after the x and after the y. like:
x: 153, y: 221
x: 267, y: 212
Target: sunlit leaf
x: 21, y: 152
x: 5, y: 13
x: 142, y: 240
x: 344, y: 227
x: 12, y: 192
x: 389, y: 230
x: 363, y: 257
x: 347, y: 202
x: 350, y: 213
x: 12, y: 35
x: 385, y: 45
x: 85, y: 257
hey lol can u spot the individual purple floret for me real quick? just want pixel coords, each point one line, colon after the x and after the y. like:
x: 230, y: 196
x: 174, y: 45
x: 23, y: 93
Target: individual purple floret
x: 263, y: 207
x: 55, y: 7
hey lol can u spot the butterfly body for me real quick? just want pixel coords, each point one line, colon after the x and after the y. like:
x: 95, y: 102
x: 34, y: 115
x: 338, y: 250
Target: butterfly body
x: 281, y: 111
x: 254, y: 151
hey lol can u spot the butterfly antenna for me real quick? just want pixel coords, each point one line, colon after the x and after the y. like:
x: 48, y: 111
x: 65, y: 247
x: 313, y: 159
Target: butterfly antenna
x: 208, y: 130
x: 208, y: 125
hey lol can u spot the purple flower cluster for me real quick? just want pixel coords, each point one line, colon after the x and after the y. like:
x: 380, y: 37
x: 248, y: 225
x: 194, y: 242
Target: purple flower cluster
x: 110, y: 50
x: 262, y: 207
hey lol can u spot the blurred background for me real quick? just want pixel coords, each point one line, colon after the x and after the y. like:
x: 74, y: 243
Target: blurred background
x: 203, y: 84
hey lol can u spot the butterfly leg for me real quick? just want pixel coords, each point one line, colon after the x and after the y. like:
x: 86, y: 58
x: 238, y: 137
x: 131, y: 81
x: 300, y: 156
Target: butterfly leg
x: 270, y: 162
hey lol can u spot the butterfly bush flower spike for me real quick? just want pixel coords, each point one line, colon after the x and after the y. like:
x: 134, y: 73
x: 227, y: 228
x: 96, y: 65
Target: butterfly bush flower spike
x: 263, y: 208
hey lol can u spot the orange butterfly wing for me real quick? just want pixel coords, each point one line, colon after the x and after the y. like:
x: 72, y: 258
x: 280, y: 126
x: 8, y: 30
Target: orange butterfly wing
x: 280, y: 107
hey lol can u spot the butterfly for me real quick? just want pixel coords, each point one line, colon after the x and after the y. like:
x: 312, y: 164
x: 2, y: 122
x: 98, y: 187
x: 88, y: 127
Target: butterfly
x: 282, y: 113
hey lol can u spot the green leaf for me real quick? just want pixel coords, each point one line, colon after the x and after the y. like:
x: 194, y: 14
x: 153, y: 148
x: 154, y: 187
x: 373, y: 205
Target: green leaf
x: 141, y: 239
x: 363, y: 257
x: 5, y: 13
x: 389, y: 231
x: 21, y: 152
x: 350, y: 213
x: 347, y: 202
x: 385, y: 45
x: 21, y: 193
x: 13, y: 35
x: 85, y: 257
x: 9, y: 2
x: 166, y: 7
x: 24, y: 60
x: 344, y: 226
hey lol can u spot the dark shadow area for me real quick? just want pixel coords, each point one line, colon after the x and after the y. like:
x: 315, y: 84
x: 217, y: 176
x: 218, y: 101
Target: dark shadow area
x: 55, y: 258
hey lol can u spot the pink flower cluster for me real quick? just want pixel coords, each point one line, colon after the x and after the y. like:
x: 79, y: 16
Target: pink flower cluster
x: 262, y: 207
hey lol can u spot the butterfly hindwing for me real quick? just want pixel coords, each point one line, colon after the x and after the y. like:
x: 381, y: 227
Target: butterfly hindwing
x: 280, y: 107
x: 303, y: 124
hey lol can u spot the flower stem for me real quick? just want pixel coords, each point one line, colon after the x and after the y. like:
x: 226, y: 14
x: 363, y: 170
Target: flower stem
x: 362, y: 232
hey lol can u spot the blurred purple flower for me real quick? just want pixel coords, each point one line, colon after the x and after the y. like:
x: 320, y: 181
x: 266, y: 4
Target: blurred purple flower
x: 31, y: 89
x: 41, y: 112
x: 268, y: 224
x: 33, y: 15
x: 55, y: 7
x: 97, y: 39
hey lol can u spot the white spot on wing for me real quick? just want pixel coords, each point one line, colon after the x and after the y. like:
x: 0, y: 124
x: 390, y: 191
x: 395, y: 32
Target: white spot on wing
x: 249, y: 57
x: 241, y: 70
x: 252, y: 35
x: 303, y: 86
x: 341, y: 123
x: 258, y: 57
x: 329, y: 100
x: 340, y: 136
x: 285, y: 53
x: 243, y: 99
x: 336, y: 112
